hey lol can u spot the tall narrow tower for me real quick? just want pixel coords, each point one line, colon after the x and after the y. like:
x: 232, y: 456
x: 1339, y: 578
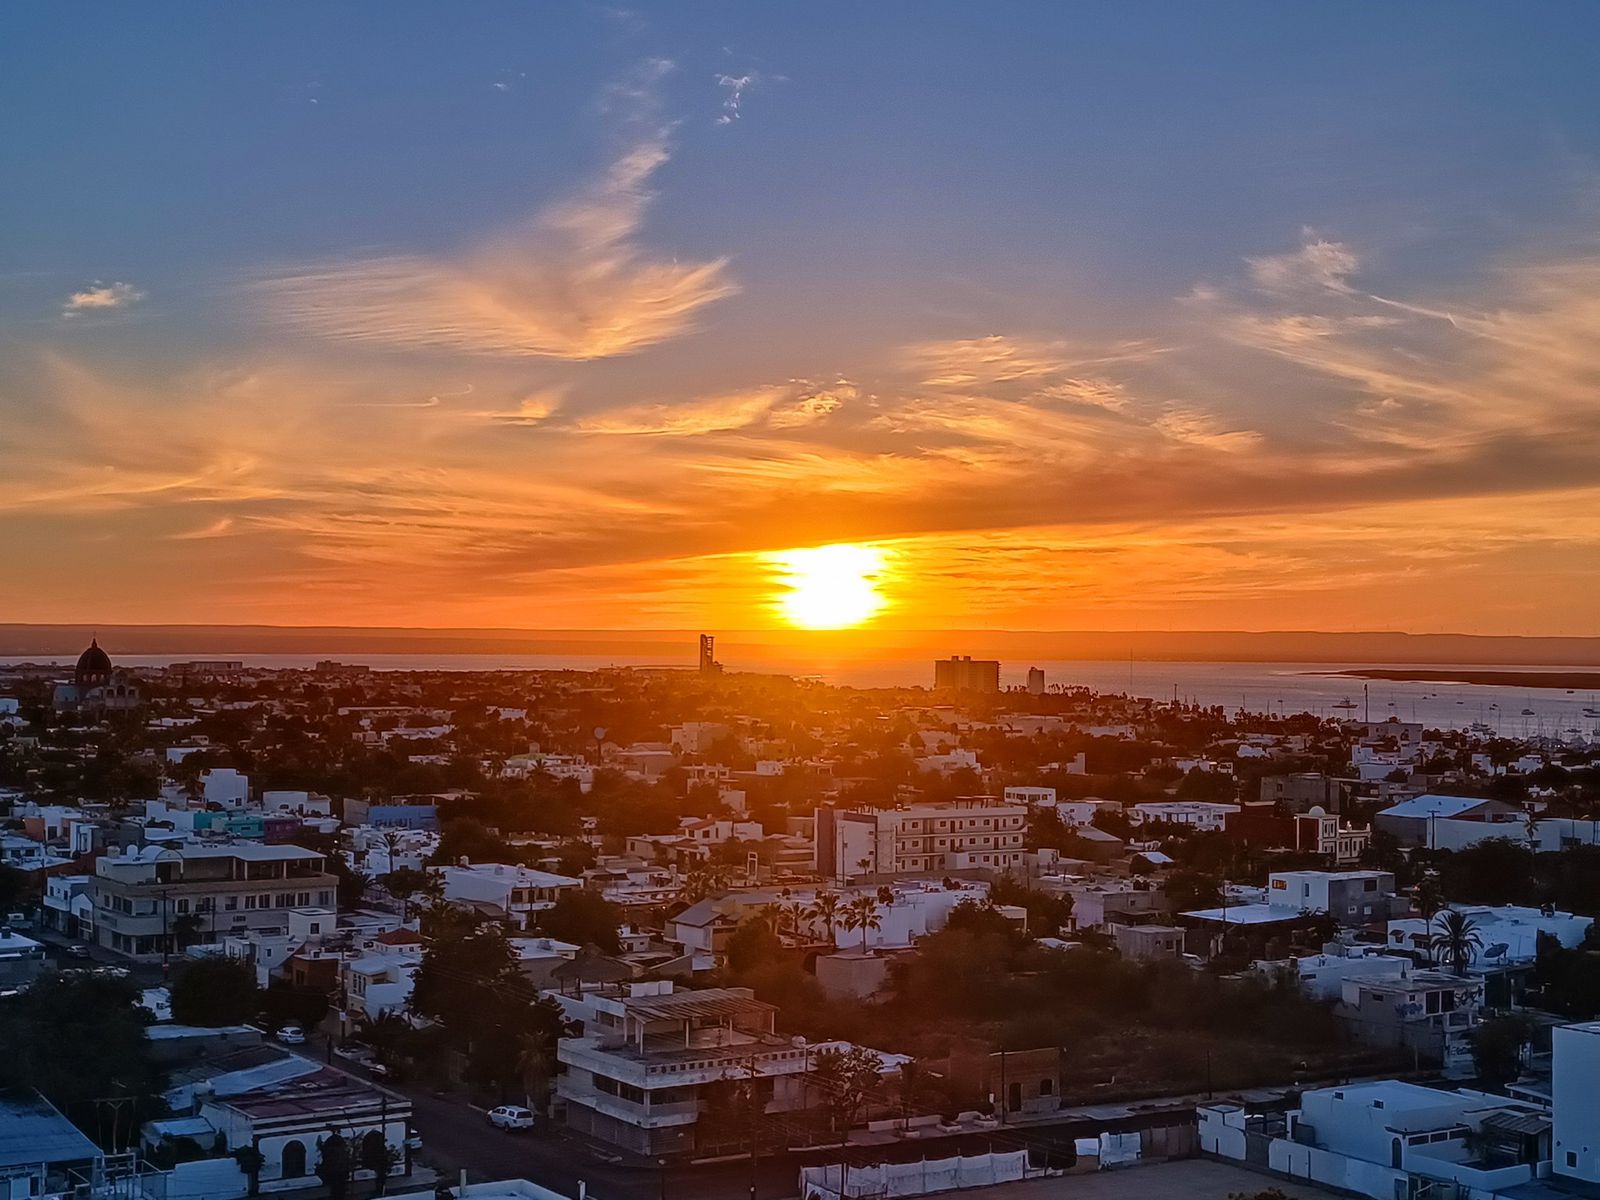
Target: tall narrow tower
x: 708, y: 656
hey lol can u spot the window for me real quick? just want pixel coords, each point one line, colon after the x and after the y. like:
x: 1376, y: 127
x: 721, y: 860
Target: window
x: 1572, y: 1158
x: 230, y: 903
x: 1047, y: 1087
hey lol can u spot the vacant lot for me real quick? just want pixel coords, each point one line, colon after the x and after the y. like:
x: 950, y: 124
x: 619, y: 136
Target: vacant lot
x: 1192, y: 1179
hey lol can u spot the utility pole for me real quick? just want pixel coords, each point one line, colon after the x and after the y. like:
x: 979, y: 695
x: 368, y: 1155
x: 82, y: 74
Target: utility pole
x: 163, y: 894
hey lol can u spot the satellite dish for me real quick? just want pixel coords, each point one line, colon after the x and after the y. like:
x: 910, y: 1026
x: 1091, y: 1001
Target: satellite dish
x: 1497, y: 950
x: 599, y: 733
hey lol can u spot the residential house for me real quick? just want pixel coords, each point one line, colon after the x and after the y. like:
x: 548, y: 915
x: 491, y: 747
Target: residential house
x: 518, y: 893
x: 651, y: 1061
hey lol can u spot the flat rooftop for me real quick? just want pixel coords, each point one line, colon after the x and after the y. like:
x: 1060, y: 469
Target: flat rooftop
x: 33, y: 1131
x: 704, y: 1002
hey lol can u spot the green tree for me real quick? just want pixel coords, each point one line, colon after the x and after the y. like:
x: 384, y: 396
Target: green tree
x: 583, y: 918
x: 752, y: 945
x: 377, y: 1156
x: 335, y: 1164
x: 471, y: 984
x: 250, y: 1160
x: 846, y: 1080
x: 17, y: 890
x: 387, y: 1033
x: 215, y: 990
x: 407, y: 884
x: 1428, y: 895
x: 186, y: 929
x: 1497, y: 1047
x: 77, y: 1036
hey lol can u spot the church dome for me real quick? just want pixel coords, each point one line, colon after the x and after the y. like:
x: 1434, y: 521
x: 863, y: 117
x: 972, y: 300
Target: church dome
x: 93, y: 664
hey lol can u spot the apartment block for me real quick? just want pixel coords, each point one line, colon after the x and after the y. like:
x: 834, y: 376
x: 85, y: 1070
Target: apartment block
x: 971, y: 834
x: 144, y: 897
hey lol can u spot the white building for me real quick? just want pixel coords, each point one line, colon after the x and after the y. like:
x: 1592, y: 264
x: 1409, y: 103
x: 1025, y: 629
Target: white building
x: 1201, y: 815
x: 1323, y: 976
x: 1510, y: 932
x: 285, y: 1121
x: 1075, y: 813
x: 640, y: 1075
x: 1032, y: 797
x: 224, y: 786
x: 977, y: 833
x: 1354, y: 897
x: 1389, y: 1139
x: 518, y: 892
x: 379, y: 980
x: 1575, y: 1062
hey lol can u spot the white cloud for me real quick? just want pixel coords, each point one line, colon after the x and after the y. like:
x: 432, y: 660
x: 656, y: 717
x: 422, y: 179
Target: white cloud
x: 736, y: 86
x: 101, y: 297
x: 1318, y: 263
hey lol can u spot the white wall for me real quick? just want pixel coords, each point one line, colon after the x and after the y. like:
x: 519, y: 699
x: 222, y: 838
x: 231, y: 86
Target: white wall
x: 1575, y: 1056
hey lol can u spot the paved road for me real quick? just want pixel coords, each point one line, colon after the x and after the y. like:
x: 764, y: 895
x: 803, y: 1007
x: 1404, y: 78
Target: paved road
x: 456, y: 1136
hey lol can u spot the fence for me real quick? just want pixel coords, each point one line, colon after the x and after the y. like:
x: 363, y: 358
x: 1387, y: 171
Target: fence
x: 886, y: 1180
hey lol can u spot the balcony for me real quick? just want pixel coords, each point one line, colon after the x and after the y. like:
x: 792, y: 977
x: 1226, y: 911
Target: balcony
x: 669, y: 1067
x: 640, y: 1116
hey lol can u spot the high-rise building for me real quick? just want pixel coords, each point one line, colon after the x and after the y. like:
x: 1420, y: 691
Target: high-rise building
x: 708, y: 655
x: 1035, y: 681
x: 963, y: 673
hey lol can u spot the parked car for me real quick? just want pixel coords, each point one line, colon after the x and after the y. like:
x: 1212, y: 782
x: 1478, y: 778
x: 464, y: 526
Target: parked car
x: 77, y: 950
x: 292, y: 1035
x: 509, y: 1116
x: 413, y: 1140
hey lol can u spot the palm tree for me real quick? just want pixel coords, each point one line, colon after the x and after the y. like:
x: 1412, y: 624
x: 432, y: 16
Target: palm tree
x: 787, y: 916
x: 862, y: 913
x: 825, y: 908
x: 1456, y: 937
x: 1428, y: 895
x: 536, y: 1057
x: 392, y: 839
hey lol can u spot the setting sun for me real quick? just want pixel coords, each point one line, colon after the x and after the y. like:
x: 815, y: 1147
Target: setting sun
x: 830, y: 587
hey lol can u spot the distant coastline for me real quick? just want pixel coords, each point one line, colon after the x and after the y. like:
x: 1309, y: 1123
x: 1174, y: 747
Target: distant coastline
x: 1443, y: 652
x: 1571, y: 681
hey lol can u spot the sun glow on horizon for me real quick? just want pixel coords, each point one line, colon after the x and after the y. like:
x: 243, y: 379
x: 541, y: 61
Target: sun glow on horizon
x: 830, y: 587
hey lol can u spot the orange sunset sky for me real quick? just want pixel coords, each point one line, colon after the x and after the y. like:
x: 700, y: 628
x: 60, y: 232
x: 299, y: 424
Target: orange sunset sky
x: 1053, y: 318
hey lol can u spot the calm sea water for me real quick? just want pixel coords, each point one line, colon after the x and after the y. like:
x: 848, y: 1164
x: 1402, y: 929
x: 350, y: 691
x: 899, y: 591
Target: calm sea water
x: 1279, y: 688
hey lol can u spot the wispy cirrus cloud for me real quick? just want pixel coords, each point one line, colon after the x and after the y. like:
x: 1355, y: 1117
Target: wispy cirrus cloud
x: 574, y: 282
x: 1066, y: 370
x: 100, y: 298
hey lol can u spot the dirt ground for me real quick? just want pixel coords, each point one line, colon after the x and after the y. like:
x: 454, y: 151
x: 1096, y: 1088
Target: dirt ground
x: 1189, y: 1179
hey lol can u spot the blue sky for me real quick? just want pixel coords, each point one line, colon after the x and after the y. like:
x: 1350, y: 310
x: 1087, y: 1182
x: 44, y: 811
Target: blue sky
x: 559, y: 212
